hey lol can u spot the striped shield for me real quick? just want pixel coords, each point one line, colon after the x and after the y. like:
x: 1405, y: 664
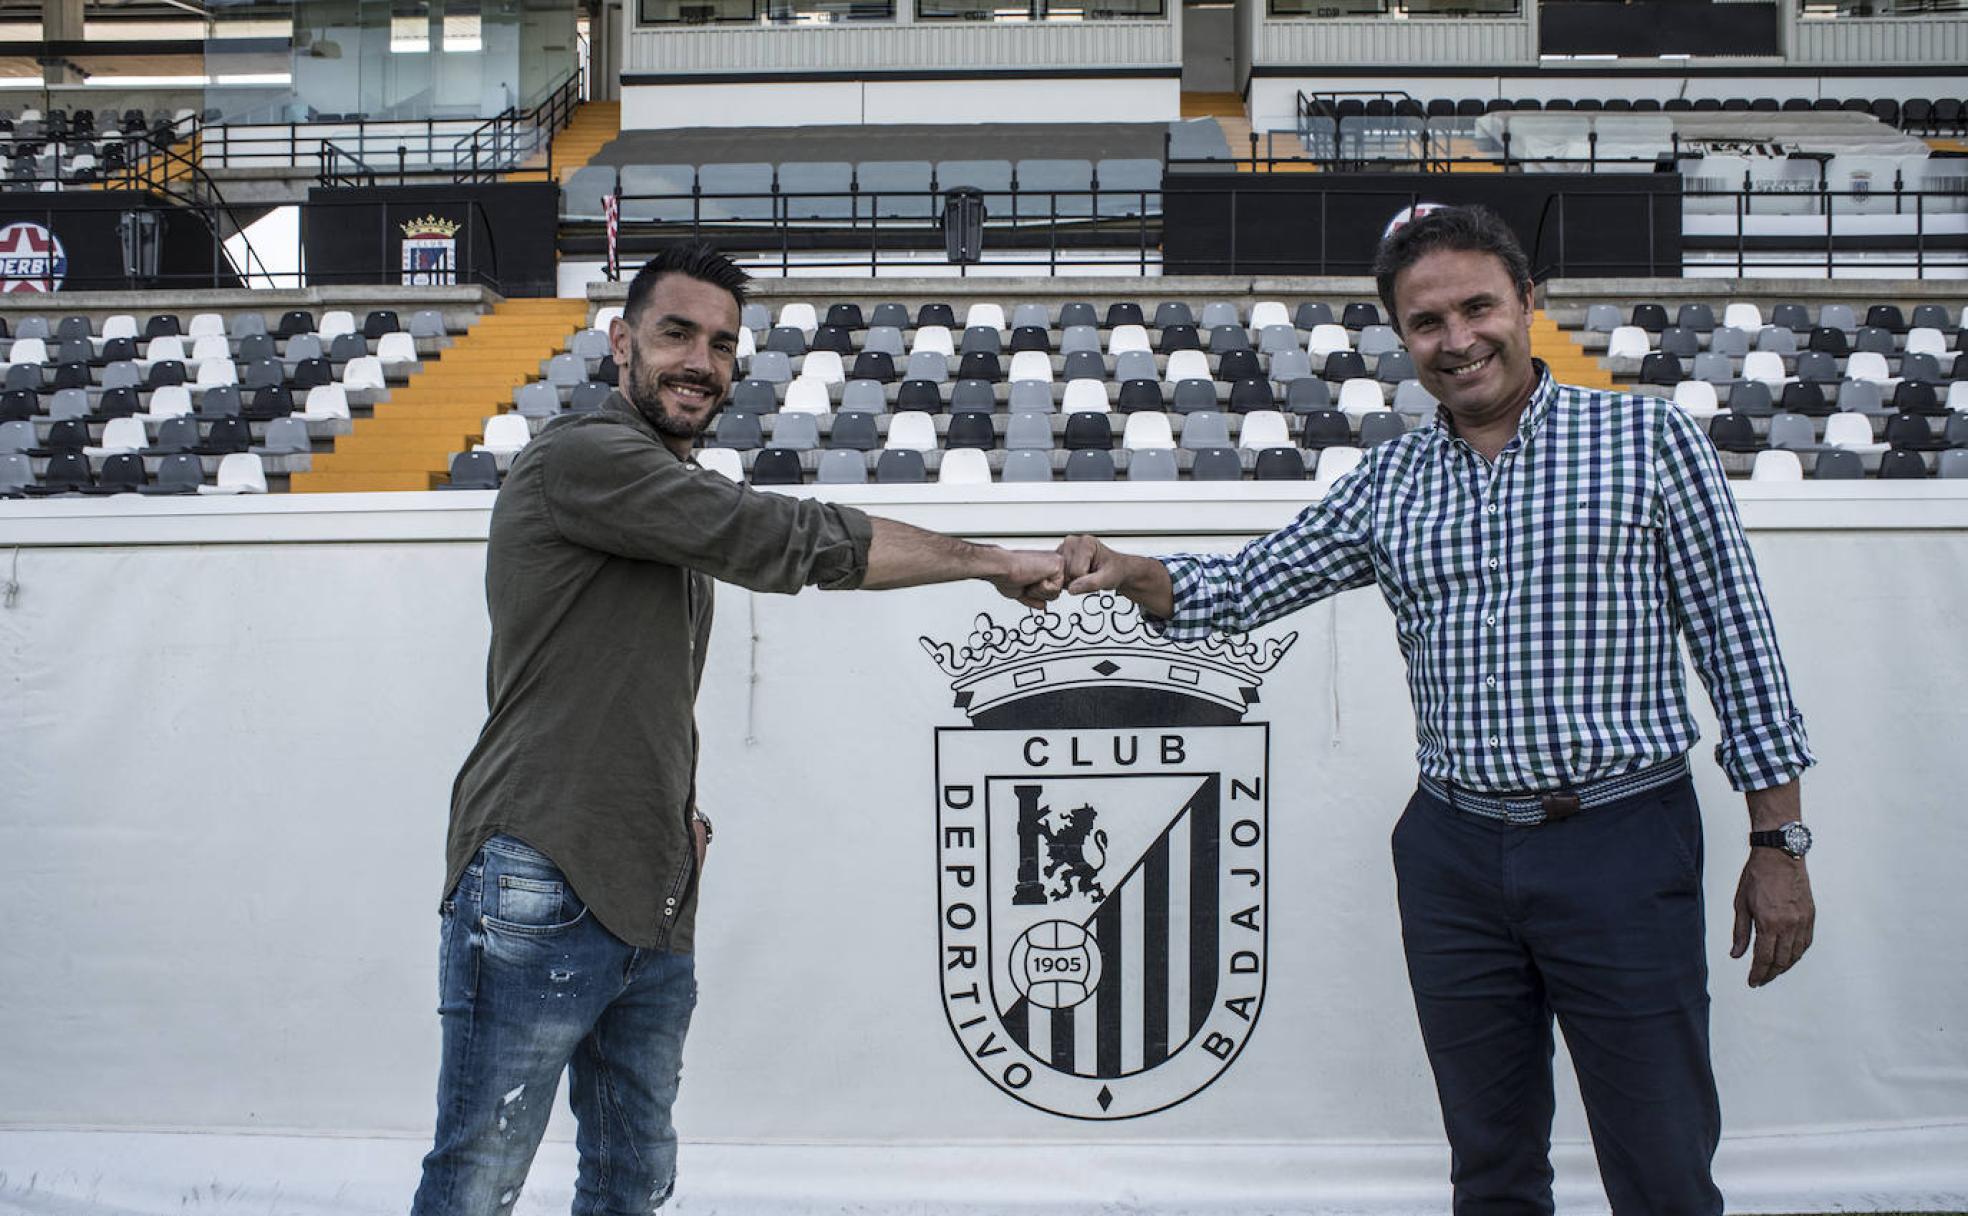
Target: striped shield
x: 1103, y: 908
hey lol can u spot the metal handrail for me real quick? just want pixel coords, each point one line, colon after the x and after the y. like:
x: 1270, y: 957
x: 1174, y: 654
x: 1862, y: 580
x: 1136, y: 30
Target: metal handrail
x: 494, y: 145
x: 333, y: 175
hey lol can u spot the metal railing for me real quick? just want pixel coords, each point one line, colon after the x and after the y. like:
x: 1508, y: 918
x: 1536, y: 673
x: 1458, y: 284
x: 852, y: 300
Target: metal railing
x: 340, y: 167
x: 499, y: 144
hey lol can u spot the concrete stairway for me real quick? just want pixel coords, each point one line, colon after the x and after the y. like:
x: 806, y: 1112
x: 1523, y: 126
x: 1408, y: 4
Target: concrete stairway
x: 407, y: 443
x: 1569, y: 361
x: 593, y: 125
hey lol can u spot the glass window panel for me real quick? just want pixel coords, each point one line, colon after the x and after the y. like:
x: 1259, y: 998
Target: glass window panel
x: 1399, y: 9
x: 762, y: 12
x: 1039, y: 10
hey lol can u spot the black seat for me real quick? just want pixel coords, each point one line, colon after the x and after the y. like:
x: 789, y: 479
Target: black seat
x: 1139, y: 395
x: 1077, y: 312
x: 19, y: 405
x: 1732, y: 432
x: 900, y: 466
x: 1239, y: 365
x: 311, y: 373
x: 346, y: 347
x: 1359, y: 315
x: 1279, y: 464
x: 1088, y: 430
x: 1818, y: 367
x: 269, y: 402
x: 1650, y: 317
x: 67, y: 435
x: 1678, y: 105
x: 161, y: 325
x: 1326, y: 429
x: 1179, y: 336
x: 1829, y: 340
x: 473, y: 471
x: 1251, y: 393
x: 936, y: 314
x: 1912, y: 433
x: 1344, y: 365
x: 1898, y: 465
x: 1030, y: 337
x: 1793, y: 317
x: 970, y: 429
x: 1751, y: 399
x: 789, y: 340
x: 1886, y: 110
x: 981, y: 365
x: 295, y: 322
x: 67, y: 473
x: 164, y: 372
x: 1662, y: 368
x: 118, y: 402
x: 226, y: 436
x: 876, y: 365
x: 855, y: 430
x: 1310, y: 313
x: 71, y: 375
x: 1216, y: 464
x: 844, y: 316
x: 1807, y: 398
x: 918, y: 395
x: 380, y: 321
x: 1918, y: 397
x: 1698, y: 317
x: 835, y: 338
x: 1887, y: 317
x: 891, y: 314
x: 1837, y: 464
x: 1124, y: 313
x: 1084, y: 365
x: 776, y: 467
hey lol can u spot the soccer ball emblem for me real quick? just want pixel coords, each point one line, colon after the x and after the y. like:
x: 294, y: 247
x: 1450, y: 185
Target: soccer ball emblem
x: 1055, y: 964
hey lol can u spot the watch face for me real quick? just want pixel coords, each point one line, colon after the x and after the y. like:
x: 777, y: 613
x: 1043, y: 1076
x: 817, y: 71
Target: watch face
x: 1796, y: 839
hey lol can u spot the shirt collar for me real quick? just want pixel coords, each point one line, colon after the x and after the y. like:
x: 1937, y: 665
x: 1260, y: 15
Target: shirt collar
x: 1543, y: 393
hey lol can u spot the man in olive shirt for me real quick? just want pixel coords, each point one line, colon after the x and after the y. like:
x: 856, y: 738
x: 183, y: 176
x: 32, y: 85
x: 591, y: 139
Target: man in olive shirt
x: 575, y: 844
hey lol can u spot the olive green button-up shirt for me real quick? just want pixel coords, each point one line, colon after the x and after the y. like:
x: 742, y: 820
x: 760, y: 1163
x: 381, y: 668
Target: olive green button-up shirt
x: 598, y: 578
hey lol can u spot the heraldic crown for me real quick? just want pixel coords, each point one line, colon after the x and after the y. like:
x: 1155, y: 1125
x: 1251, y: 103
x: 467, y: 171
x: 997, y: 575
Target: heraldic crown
x: 1098, y: 661
x: 430, y: 225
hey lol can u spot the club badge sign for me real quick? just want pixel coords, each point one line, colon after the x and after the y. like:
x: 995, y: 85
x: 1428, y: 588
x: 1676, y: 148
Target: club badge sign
x: 1101, y: 836
x: 430, y: 252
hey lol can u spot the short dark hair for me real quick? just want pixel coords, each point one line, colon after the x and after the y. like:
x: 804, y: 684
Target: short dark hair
x: 697, y: 259
x: 1471, y: 229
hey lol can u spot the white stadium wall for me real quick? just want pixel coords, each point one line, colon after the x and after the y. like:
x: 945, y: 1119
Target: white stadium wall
x: 230, y: 730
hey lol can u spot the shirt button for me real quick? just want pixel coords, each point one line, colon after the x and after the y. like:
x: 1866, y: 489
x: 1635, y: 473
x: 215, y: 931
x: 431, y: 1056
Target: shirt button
x: 671, y: 901
x: 1489, y: 620
x: 1492, y: 681
x: 1491, y: 508
x: 1493, y: 563
x: 1495, y: 742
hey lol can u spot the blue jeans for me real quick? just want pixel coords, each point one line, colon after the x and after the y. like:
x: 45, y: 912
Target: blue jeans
x: 1598, y: 920
x: 529, y: 985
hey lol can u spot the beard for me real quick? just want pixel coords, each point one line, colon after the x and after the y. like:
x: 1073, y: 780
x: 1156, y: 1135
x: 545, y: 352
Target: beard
x: 642, y: 389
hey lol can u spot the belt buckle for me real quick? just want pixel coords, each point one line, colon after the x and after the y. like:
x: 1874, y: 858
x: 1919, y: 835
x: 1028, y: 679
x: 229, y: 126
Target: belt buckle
x: 1559, y: 805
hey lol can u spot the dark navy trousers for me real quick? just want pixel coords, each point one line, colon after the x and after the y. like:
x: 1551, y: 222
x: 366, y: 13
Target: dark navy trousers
x: 1596, y: 919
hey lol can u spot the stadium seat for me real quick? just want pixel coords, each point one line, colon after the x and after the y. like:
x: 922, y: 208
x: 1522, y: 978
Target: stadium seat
x: 964, y: 467
x: 1337, y: 461
x: 1776, y: 466
x: 725, y: 462
x: 1153, y: 464
x: 1091, y: 464
x: 1838, y: 466
x: 901, y: 466
x: 239, y: 473
x: 504, y: 435
x: 776, y: 467
x: 841, y: 466
x: 473, y: 471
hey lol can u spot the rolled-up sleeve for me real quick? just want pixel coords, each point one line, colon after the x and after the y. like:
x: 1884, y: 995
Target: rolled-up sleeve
x: 1719, y: 603
x: 613, y: 489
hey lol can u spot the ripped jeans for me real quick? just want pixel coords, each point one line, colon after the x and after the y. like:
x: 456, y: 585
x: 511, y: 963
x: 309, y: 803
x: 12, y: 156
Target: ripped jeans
x: 530, y: 985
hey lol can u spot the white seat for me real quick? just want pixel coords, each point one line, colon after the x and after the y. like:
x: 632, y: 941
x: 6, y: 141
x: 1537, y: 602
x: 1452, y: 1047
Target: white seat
x: 1867, y: 365
x: 965, y: 467
x: 28, y: 350
x: 1147, y: 429
x: 1746, y: 317
x: 1085, y: 397
x: 398, y: 347
x: 800, y: 314
x: 1187, y: 365
x: 1031, y: 365
x: 122, y: 325
x: 1264, y: 429
x: 120, y: 435
x: 1853, y: 432
x: 206, y: 325
x: 157, y: 350
x: 1360, y: 396
x: 807, y: 395
x: 1268, y: 312
x: 747, y: 344
x: 335, y: 323
x: 724, y: 461
x: 504, y: 435
x: 1925, y: 340
x: 217, y: 373
x: 1326, y: 339
x: 239, y: 473
x: 913, y: 431
x: 1696, y: 398
x: 323, y: 402
x: 934, y: 338
x: 363, y: 372
x: 1628, y: 342
x: 604, y: 316
x: 169, y: 401
x: 1776, y: 464
x: 1125, y: 338
x: 823, y: 366
x: 985, y: 314
x: 1765, y: 366
x: 1957, y: 398
x: 1336, y: 462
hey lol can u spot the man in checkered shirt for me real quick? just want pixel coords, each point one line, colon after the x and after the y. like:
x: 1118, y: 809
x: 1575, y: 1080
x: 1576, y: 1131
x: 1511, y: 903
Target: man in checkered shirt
x: 1541, y: 547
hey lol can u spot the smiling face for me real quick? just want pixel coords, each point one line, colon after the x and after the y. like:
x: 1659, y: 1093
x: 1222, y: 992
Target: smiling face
x: 678, y: 358
x: 1469, y: 331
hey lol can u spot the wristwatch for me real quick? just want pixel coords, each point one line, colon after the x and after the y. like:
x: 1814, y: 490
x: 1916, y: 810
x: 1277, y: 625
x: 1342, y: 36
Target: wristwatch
x: 704, y: 819
x: 1793, y: 838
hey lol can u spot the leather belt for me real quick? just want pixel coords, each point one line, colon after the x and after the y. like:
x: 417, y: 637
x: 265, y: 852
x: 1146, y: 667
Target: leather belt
x: 1531, y: 809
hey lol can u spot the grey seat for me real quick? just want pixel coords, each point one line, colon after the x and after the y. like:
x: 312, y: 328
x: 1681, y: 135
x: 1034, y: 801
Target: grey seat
x: 736, y: 191
x: 427, y: 323
x: 1076, y: 338
x: 1135, y: 365
x: 1714, y: 367
x: 1090, y: 464
x: 816, y: 190
x: 580, y: 197
x: 566, y: 370
x: 899, y: 190
x: 16, y: 473
x: 842, y: 467
x: 1129, y: 186
x: 887, y: 339
x: 796, y: 432
x: 1224, y: 338
x: 771, y: 366
x: 285, y: 437
x: 301, y: 347
x: 1603, y: 318
x: 1277, y: 339
x: 1028, y: 431
x: 1777, y: 339
x: 1863, y: 397
x: 928, y: 365
x: 1289, y: 365
x: 1312, y: 313
x: 68, y: 403
x: 537, y: 399
x: 1205, y: 429
x: 863, y: 396
x: 1793, y: 432
x: 755, y: 316
x: 900, y: 466
x: 1838, y: 465
x: 738, y: 429
x: 1216, y: 464
x: 588, y: 397
x: 1730, y: 341
x: 1394, y: 367
x: 658, y: 192
x: 1032, y: 315
x: 1193, y: 396
x: 855, y: 430
x: 1153, y: 464
x: 1054, y: 187
x: 1838, y: 316
x: 248, y: 325
x: 1381, y: 426
x: 122, y: 374
x: 754, y: 396
x: 1377, y: 340
x: 1027, y: 465
x: 1029, y: 396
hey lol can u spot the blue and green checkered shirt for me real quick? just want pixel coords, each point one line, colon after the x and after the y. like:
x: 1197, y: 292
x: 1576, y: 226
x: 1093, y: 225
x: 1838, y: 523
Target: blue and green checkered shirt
x: 1536, y: 599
